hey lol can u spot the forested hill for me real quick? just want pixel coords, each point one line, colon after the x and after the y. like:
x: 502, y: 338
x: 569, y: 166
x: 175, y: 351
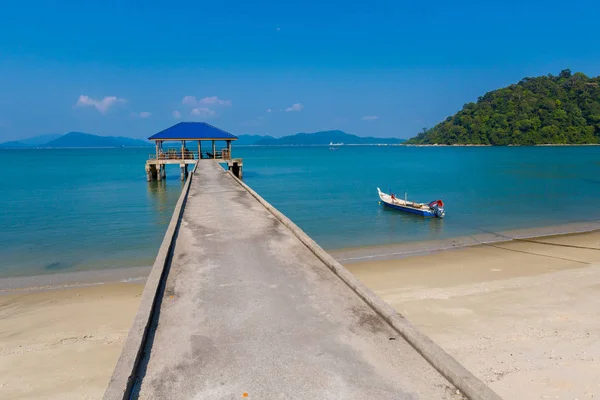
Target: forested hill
x: 563, y: 109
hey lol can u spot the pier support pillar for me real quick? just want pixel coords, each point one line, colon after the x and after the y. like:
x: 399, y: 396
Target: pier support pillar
x: 184, y: 171
x: 159, y: 175
x: 151, y: 172
x: 236, y: 166
x: 164, y: 171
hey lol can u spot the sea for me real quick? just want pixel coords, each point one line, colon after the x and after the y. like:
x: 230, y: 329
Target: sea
x: 64, y: 210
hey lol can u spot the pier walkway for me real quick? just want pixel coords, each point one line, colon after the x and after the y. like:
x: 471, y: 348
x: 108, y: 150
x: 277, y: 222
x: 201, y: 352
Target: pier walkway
x: 245, y: 309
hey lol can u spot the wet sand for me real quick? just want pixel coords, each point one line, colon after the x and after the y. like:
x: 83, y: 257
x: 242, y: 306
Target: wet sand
x: 64, y: 343
x: 411, y: 249
x: 523, y: 316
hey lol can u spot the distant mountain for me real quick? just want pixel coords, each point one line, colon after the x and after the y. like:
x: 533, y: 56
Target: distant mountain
x: 74, y: 139
x: 248, y: 140
x: 36, y: 141
x: 40, y: 140
x: 14, y: 144
x: 79, y: 139
x: 324, y: 138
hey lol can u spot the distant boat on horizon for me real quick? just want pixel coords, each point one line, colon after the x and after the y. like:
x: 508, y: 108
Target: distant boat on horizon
x: 336, y: 144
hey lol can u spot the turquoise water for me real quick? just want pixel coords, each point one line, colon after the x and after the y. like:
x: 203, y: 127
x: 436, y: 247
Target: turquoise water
x: 65, y: 210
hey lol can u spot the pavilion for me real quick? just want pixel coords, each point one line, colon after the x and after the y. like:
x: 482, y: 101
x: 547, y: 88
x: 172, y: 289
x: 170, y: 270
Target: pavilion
x: 186, y: 133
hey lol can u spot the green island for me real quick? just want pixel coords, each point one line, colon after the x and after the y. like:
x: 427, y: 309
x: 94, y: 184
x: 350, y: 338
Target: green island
x: 563, y: 109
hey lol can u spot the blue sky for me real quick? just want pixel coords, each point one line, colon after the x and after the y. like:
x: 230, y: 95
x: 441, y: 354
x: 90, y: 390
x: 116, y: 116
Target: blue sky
x: 271, y: 67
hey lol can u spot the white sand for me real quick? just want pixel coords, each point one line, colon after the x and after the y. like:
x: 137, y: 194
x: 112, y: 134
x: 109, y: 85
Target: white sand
x: 63, y: 344
x: 524, y: 317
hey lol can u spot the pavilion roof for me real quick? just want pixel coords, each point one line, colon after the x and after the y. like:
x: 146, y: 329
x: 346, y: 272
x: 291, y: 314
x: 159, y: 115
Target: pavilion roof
x: 193, y: 131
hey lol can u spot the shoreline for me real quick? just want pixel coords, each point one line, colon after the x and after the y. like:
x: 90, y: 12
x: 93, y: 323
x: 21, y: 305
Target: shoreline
x: 75, y: 279
x: 413, y: 249
x: 64, y: 280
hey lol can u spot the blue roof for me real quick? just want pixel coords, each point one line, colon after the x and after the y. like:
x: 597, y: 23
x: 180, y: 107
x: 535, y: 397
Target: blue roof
x: 193, y: 131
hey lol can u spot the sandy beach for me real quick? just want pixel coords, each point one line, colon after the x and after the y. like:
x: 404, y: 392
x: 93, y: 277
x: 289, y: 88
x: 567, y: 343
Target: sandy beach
x: 63, y: 343
x: 524, y: 316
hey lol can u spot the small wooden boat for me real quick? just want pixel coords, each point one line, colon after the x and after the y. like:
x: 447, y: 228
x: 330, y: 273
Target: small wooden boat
x: 433, y: 209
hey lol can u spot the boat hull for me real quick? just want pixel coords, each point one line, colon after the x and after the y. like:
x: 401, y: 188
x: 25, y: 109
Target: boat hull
x: 424, y: 213
x: 433, y: 209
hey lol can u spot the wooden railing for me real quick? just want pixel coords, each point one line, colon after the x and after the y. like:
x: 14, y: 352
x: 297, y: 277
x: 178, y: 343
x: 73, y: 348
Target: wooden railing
x: 221, y: 154
x: 175, y: 155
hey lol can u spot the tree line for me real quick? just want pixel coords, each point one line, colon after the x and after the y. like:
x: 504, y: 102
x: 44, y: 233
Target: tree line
x: 563, y: 109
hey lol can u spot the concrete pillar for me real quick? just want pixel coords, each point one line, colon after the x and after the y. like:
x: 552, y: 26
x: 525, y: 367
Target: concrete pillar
x: 184, y: 171
x: 164, y: 171
x: 159, y: 174
x: 214, y: 150
x: 199, y: 151
x: 151, y: 172
x: 236, y: 167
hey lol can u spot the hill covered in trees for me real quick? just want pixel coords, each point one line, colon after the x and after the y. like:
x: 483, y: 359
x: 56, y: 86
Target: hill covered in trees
x: 563, y: 109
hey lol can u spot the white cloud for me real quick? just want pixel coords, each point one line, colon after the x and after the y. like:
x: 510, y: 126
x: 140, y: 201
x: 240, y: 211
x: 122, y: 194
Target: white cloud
x: 100, y: 105
x: 212, y: 100
x: 189, y: 100
x: 370, y: 117
x: 295, y: 107
x: 176, y: 114
x: 203, y: 112
x: 143, y: 114
x: 269, y: 110
x: 215, y: 100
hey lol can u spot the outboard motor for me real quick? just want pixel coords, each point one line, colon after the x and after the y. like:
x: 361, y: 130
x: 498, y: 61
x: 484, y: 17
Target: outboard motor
x: 438, y: 208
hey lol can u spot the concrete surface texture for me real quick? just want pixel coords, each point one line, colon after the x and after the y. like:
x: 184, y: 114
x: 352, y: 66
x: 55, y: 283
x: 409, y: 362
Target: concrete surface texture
x: 249, y: 312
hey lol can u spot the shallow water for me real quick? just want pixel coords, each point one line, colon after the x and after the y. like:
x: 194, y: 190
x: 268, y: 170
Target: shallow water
x: 67, y: 210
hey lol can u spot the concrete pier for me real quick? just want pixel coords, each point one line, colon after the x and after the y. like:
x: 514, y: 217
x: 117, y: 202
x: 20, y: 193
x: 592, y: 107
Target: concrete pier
x: 240, y: 303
